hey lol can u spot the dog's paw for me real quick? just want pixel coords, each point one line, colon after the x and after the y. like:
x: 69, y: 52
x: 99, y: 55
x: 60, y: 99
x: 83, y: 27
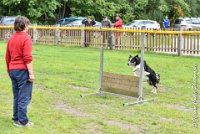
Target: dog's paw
x: 154, y: 91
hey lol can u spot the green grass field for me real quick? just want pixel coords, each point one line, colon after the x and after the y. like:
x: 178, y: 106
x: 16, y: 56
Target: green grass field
x: 63, y: 73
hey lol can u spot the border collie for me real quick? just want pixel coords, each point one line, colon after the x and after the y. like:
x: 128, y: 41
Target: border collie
x: 152, y: 77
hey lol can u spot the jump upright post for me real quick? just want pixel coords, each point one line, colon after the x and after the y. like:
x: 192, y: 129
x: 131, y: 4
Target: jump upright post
x: 140, y: 99
x: 100, y: 74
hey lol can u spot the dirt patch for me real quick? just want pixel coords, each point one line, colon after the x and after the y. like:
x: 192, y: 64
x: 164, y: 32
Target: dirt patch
x: 167, y: 119
x: 163, y: 88
x: 179, y: 107
x: 95, y: 129
x: 37, y: 86
x: 61, y: 105
x: 78, y: 87
x: 128, y: 126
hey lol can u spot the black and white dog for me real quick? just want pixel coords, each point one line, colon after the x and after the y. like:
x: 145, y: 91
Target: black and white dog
x: 152, y: 77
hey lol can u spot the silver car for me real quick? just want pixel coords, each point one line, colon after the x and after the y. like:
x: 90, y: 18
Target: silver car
x: 149, y: 24
x: 7, y: 20
x: 187, y: 24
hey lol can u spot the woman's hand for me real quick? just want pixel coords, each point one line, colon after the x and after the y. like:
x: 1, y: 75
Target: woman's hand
x: 31, y: 77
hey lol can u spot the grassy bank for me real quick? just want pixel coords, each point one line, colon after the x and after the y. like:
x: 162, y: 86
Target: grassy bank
x: 63, y: 73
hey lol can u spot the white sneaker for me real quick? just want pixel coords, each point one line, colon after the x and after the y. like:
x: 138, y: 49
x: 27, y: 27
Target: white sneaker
x: 29, y: 124
x: 17, y: 123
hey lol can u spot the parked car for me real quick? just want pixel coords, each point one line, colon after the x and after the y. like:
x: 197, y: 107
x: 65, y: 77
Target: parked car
x: 7, y: 20
x: 187, y: 24
x: 65, y: 21
x: 149, y: 24
x: 79, y: 23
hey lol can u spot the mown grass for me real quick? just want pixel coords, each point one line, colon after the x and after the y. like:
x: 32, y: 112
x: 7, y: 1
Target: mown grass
x: 63, y: 73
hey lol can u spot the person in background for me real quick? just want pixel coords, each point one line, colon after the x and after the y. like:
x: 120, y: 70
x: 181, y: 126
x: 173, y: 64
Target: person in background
x: 118, y: 24
x: 105, y: 22
x: 19, y: 67
x: 88, y: 23
x: 166, y: 22
x: 106, y: 35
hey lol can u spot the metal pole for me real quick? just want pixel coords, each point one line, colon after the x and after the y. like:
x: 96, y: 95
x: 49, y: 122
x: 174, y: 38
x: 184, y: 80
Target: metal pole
x: 101, y: 67
x: 195, y: 101
x: 142, y: 63
x: 100, y: 74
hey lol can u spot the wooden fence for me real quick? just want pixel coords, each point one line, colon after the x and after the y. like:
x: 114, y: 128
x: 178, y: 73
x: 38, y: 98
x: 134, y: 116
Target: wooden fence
x: 174, y: 42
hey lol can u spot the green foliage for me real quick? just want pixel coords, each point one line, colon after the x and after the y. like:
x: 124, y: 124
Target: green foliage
x: 36, y: 10
x: 47, y: 11
x: 174, y: 8
x: 99, y: 8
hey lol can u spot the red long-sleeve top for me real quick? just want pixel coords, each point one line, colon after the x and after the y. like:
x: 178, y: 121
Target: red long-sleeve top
x: 119, y: 23
x: 18, y: 51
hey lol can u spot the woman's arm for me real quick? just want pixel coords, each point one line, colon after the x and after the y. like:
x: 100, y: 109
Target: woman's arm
x: 30, y: 70
x: 7, y: 57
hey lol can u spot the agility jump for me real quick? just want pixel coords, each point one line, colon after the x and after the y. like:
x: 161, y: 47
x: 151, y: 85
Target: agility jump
x: 117, y: 84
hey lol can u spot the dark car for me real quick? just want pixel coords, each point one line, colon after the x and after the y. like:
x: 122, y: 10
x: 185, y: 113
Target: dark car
x: 7, y: 20
x: 79, y: 23
x: 65, y: 21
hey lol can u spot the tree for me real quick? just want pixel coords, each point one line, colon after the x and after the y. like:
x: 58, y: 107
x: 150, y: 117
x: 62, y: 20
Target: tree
x: 48, y: 11
x: 36, y: 10
x: 174, y: 8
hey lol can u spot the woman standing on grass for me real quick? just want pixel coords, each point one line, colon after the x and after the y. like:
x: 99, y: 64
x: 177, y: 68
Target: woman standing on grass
x: 19, y: 67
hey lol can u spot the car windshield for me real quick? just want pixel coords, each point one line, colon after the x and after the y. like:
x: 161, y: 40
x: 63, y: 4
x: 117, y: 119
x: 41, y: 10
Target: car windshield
x: 149, y: 23
x: 178, y: 21
x: 189, y: 21
x: 76, y: 22
x: 136, y: 23
x: 69, y: 21
x: 8, y: 20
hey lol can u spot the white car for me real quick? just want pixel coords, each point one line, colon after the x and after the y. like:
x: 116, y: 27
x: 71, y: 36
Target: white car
x: 149, y: 24
x: 187, y: 24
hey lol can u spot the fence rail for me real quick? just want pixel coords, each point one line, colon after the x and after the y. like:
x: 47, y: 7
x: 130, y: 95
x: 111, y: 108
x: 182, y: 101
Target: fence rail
x: 164, y: 41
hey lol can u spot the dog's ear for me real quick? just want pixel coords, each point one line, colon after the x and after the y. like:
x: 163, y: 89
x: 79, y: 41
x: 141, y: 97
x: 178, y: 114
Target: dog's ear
x: 136, y: 55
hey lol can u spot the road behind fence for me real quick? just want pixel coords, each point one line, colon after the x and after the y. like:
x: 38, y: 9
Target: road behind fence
x: 164, y: 41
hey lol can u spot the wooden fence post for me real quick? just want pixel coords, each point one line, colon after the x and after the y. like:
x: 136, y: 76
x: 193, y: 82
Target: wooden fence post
x: 57, y: 35
x: 82, y: 36
x: 180, y: 42
x: 35, y: 36
x: 112, y: 36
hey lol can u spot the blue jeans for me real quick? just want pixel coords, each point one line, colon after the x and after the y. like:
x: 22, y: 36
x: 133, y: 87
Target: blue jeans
x: 22, y: 92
